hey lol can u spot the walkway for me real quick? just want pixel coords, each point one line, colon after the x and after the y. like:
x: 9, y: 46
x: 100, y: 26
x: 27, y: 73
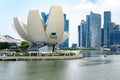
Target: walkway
x: 6, y: 58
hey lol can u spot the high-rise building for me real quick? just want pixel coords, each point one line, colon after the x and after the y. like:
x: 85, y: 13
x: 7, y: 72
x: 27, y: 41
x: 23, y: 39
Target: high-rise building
x: 107, y: 26
x: 102, y: 36
x: 115, y: 35
x: 88, y: 31
x: 111, y: 28
x: 95, y: 30
x: 74, y: 45
x: 79, y: 35
x: 82, y: 34
x: 116, y: 27
x: 66, y: 29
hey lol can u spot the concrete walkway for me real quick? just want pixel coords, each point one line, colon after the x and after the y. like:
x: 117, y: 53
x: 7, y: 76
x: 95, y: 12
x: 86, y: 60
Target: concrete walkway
x: 21, y: 58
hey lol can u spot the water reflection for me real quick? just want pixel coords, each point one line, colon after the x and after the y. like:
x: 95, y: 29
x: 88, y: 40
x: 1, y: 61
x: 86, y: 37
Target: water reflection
x: 93, y: 58
x: 93, y: 62
x: 92, y: 53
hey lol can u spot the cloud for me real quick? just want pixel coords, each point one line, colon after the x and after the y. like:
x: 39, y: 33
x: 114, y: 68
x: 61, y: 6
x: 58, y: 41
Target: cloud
x: 100, y: 6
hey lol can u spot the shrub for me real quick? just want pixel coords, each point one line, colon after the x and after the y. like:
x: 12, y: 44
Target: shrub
x: 33, y: 54
x: 42, y: 54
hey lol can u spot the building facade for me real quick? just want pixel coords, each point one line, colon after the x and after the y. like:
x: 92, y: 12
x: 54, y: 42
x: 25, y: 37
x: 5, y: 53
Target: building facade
x: 74, y: 45
x: 93, y: 30
x: 102, y: 37
x: 89, y: 31
x: 82, y: 34
x: 115, y: 36
x: 107, y: 25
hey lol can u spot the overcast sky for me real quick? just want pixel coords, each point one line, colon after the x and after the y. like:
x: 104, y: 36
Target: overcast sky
x: 76, y: 10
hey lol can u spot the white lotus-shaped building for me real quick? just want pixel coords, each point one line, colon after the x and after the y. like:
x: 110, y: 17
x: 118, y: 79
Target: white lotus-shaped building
x: 36, y: 31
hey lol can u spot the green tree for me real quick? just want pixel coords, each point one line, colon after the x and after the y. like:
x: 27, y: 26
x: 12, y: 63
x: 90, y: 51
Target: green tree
x: 4, y: 45
x: 24, y: 46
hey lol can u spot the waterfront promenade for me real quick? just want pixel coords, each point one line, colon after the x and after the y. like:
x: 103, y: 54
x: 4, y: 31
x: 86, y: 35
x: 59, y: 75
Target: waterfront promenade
x: 9, y: 58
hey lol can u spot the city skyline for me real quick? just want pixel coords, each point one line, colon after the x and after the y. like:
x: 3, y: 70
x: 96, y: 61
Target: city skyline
x: 75, y: 10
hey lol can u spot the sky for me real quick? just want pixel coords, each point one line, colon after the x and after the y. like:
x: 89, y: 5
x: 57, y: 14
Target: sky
x: 76, y: 11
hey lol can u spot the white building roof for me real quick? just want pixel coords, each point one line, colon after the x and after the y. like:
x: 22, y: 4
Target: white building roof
x: 9, y: 39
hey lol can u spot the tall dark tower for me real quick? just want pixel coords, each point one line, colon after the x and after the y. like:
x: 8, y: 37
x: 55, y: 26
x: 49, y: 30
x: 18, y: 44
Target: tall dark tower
x: 107, y: 22
x: 87, y: 31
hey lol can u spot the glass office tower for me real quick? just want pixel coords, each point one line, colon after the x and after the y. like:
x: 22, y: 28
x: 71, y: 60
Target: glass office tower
x: 107, y: 22
x: 102, y: 37
x: 82, y: 34
x: 95, y: 30
x: 89, y: 31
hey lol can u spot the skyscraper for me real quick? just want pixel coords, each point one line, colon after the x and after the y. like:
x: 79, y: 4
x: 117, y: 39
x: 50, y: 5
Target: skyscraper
x: 116, y: 38
x: 95, y: 30
x: 115, y: 35
x: 89, y: 31
x: 102, y: 36
x: 107, y: 22
x: 79, y: 35
x: 82, y: 34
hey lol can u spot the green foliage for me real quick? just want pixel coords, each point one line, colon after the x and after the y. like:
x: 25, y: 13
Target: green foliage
x: 26, y: 54
x: 24, y: 46
x: 71, y: 54
x: 42, y: 54
x: 4, y: 45
x: 18, y: 54
x: 48, y: 54
x: 61, y: 54
x: 58, y: 54
x: 33, y: 54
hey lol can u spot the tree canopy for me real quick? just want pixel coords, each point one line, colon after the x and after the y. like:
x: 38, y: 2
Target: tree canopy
x: 24, y: 46
x: 4, y: 45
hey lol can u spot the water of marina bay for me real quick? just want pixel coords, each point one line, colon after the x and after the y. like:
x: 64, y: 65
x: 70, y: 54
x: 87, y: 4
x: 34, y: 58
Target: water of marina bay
x: 92, y: 67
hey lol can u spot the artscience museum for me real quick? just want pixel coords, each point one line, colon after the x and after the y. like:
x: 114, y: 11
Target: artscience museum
x: 41, y: 34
